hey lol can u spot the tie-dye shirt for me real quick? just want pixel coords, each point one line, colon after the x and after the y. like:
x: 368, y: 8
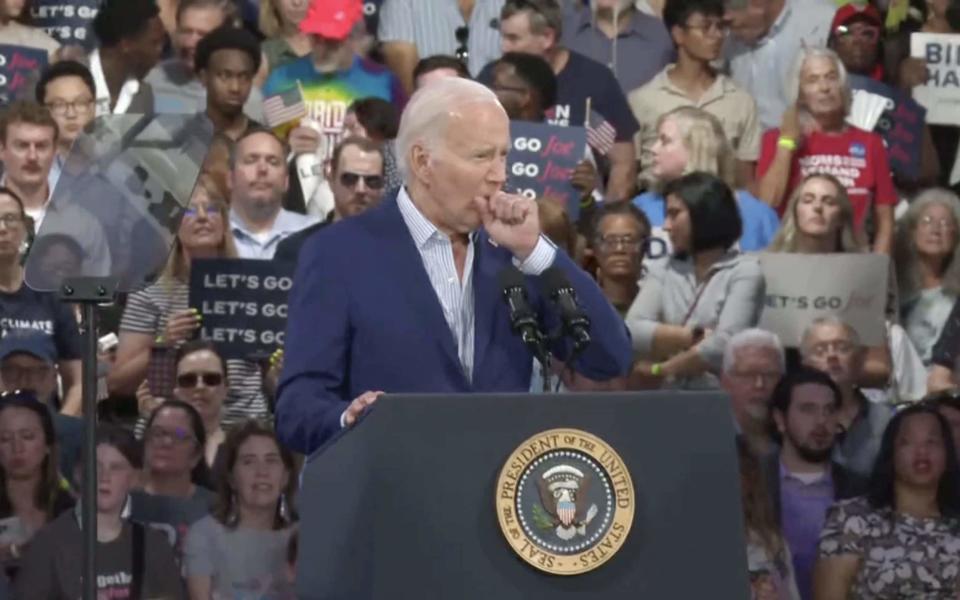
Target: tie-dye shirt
x: 329, y: 95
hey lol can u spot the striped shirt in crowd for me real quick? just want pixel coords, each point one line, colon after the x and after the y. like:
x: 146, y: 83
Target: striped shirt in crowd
x: 147, y: 312
x: 431, y: 25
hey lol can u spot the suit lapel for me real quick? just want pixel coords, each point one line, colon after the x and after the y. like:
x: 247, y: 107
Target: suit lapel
x: 402, y: 254
x: 486, y: 298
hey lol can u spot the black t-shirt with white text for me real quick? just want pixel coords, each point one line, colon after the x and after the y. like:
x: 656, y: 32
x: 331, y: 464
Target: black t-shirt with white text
x: 28, y: 311
x: 52, y: 565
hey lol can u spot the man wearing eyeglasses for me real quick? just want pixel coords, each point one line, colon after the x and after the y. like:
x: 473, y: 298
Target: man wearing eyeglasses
x: 698, y: 31
x: 834, y: 347
x: 67, y: 90
x: 356, y: 177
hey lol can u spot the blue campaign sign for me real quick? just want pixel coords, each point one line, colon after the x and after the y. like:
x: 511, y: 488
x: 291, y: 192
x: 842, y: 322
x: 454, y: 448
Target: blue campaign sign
x: 900, y: 125
x: 542, y: 159
x: 243, y: 304
x: 19, y: 67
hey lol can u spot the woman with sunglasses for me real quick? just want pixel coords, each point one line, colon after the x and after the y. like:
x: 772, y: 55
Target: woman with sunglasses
x: 176, y: 490
x: 688, y: 140
x: 133, y: 560
x: 901, y: 540
x: 201, y: 382
x: 32, y: 492
x: 240, y: 549
x: 160, y: 314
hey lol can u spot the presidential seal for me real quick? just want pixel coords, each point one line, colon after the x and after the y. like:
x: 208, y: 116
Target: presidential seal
x: 565, y: 501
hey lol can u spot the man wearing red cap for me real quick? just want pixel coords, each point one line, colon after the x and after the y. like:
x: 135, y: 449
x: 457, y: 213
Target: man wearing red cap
x: 331, y: 77
x: 855, y: 36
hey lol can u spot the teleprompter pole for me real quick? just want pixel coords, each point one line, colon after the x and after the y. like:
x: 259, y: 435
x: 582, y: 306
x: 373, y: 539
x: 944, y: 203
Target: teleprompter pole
x: 89, y: 292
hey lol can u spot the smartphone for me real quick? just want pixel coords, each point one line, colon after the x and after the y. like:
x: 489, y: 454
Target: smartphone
x: 162, y: 371
x: 107, y: 343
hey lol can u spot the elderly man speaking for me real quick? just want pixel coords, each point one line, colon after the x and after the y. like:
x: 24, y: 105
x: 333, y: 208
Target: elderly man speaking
x: 405, y: 297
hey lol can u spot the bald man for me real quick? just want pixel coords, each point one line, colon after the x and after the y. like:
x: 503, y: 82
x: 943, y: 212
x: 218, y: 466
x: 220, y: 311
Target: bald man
x: 404, y: 298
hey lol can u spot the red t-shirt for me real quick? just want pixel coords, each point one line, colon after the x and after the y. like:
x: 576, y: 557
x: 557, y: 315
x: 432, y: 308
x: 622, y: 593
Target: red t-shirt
x: 856, y: 157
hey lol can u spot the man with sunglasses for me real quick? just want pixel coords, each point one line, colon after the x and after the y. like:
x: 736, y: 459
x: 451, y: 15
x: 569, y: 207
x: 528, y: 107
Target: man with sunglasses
x: 356, y: 177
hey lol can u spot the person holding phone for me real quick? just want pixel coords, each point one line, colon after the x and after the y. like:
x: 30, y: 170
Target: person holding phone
x: 160, y: 315
x: 814, y: 137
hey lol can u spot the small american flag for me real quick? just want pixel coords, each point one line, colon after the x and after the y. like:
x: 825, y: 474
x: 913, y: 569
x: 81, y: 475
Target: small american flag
x: 283, y: 108
x: 601, y: 135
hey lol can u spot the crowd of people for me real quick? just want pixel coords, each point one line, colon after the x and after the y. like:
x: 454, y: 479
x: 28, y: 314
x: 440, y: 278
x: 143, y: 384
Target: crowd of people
x: 726, y: 134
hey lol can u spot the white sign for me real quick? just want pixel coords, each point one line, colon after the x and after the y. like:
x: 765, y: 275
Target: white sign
x: 804, y: 287
x: 941, y: 94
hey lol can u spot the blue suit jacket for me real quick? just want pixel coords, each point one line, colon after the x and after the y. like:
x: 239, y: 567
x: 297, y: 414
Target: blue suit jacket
x: 363, y: 316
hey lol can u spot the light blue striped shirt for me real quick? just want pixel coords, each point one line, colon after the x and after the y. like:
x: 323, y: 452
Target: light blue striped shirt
x: 431, y: 26
x: 262, y: 246
x: 456, y: 295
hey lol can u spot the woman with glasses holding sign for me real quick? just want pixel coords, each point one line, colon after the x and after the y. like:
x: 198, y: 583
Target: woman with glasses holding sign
x: 688, y: 140
x: 158, y: 318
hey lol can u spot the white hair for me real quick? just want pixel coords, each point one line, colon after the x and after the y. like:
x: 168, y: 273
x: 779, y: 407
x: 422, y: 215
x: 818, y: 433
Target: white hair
x: 832, y: 320
x: 752, y: 338
x: 792, y: 82
x: 425, y: 118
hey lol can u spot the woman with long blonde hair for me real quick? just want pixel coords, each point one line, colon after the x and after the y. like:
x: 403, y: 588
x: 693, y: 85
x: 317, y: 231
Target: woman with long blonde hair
x: 160, y: 315
x: 689, y: 140
x: 818, y: 219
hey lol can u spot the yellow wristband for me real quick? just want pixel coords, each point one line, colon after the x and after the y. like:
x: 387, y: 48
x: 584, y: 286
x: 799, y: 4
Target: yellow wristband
x: 656, y: 369
x: 787, y: 142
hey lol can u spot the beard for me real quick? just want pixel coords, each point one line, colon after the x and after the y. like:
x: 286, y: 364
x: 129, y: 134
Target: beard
x: 813, y: 455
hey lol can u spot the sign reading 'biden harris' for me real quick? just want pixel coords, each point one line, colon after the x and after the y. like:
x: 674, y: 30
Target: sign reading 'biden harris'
x: 565, y: 501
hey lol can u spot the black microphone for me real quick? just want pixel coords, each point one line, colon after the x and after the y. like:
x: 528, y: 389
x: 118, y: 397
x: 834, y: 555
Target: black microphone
x: 576, y: 324
x: 523, y: 320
